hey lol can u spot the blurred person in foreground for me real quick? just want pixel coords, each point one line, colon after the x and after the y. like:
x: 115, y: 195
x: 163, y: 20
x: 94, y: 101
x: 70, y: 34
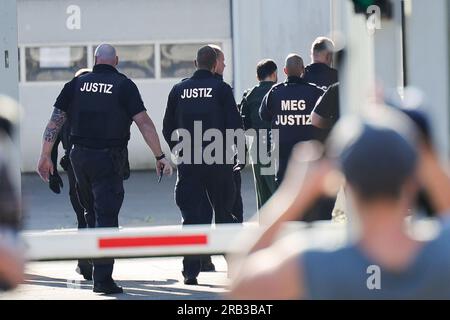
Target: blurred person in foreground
x: 414, y: 107
x: 11, y: 260
x: 383, y: 169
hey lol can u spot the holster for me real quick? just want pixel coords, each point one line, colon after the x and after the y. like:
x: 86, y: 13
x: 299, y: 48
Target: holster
x: 65, y: 162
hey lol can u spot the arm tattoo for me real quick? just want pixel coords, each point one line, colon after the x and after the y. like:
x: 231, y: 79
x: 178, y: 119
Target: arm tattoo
x: 57, y: 120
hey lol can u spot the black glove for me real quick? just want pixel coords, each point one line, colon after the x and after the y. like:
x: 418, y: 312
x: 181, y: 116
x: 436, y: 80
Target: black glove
x: 55, y: 182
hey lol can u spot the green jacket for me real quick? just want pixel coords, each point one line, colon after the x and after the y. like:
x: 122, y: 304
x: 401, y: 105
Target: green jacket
x: 250, y: 104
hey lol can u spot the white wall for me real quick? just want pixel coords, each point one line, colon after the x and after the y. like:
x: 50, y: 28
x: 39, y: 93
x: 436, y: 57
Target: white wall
x: 428, y: 62
x: 8, y: 42
x: 109, y: 20
x: 115, y: 21
x: 357, y: 69
x: 9, y: 74
x: 273, y: 29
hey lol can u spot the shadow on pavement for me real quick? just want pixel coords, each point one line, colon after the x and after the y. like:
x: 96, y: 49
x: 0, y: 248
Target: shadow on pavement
x: 134, y: 289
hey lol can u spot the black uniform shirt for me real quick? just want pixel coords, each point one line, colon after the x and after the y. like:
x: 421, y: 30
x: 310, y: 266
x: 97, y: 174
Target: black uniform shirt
x: 288, y: 106
x: 205, y: 98
x: 320, y: 75
x: 129, y: 99
x: 328, y: 105
x: 328, y: 108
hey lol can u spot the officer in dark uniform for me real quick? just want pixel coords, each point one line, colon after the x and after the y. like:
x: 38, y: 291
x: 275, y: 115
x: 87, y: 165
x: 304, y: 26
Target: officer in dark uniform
x: 288, y: 107
x: 238, y: 207
x: 326, y: 112
x: 100, y: 107
x: 324, y: 116
x: 266, y: 71
x: 320, y: 72
x: 84, y: 267
x: 207, y: 101
x: 205, y: 206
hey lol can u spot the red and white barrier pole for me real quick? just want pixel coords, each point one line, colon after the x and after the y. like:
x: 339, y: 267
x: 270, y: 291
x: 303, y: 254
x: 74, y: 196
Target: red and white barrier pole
x: 177, y: 241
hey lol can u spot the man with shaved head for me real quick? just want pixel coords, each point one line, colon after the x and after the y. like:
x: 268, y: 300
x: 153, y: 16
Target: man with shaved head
x: 238, y: 207
x: 288, y: 106
x: 220, y: 61
x: 100, y: 107
x: 196, y: 105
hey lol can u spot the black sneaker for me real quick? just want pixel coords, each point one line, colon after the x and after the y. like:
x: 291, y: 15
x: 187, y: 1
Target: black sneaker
x: 191, y: 281
x: 107, y: 288
x: 85, y: 269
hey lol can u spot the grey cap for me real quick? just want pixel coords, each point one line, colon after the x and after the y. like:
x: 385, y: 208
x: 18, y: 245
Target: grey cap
x: 376, y: 157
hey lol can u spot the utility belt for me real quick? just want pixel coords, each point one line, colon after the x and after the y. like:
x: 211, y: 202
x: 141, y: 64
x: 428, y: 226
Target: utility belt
x: 118, y: 155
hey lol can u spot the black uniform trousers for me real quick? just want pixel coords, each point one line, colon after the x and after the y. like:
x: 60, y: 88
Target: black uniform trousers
x: 76, y: 204
x: 74, y: 200
x: 190, y: 188
x: 237, y: 211
x: 99, y: 177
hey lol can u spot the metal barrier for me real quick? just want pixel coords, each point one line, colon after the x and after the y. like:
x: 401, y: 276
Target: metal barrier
x: 177, y: 241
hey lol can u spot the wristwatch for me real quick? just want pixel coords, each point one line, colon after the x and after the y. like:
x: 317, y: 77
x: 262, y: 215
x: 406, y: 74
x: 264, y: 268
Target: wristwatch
x: 162, y: 156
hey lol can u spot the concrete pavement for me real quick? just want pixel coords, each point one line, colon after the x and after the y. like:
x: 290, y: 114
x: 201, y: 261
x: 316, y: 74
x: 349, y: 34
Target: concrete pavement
x: 147, y: 203
x: 156, y: 279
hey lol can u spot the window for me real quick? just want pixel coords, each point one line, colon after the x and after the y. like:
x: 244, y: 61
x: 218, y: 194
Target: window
x: 136, y: 61
x: 54, y: 63
x: 177, y: 60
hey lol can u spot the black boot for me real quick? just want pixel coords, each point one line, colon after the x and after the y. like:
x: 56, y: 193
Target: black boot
x: 84, y: 268
x: 207, y: 265
x: 109, y: 287
x: 189, y: 280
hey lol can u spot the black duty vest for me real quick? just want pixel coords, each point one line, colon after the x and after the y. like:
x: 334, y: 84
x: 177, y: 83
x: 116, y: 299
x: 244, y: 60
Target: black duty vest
x: 96, y: 113
x: 320, y: 75
x: 199, y: 101
x: 291, y: 103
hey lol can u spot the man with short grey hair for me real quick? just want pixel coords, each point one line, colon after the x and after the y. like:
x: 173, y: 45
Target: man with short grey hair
x: 320, y: 72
